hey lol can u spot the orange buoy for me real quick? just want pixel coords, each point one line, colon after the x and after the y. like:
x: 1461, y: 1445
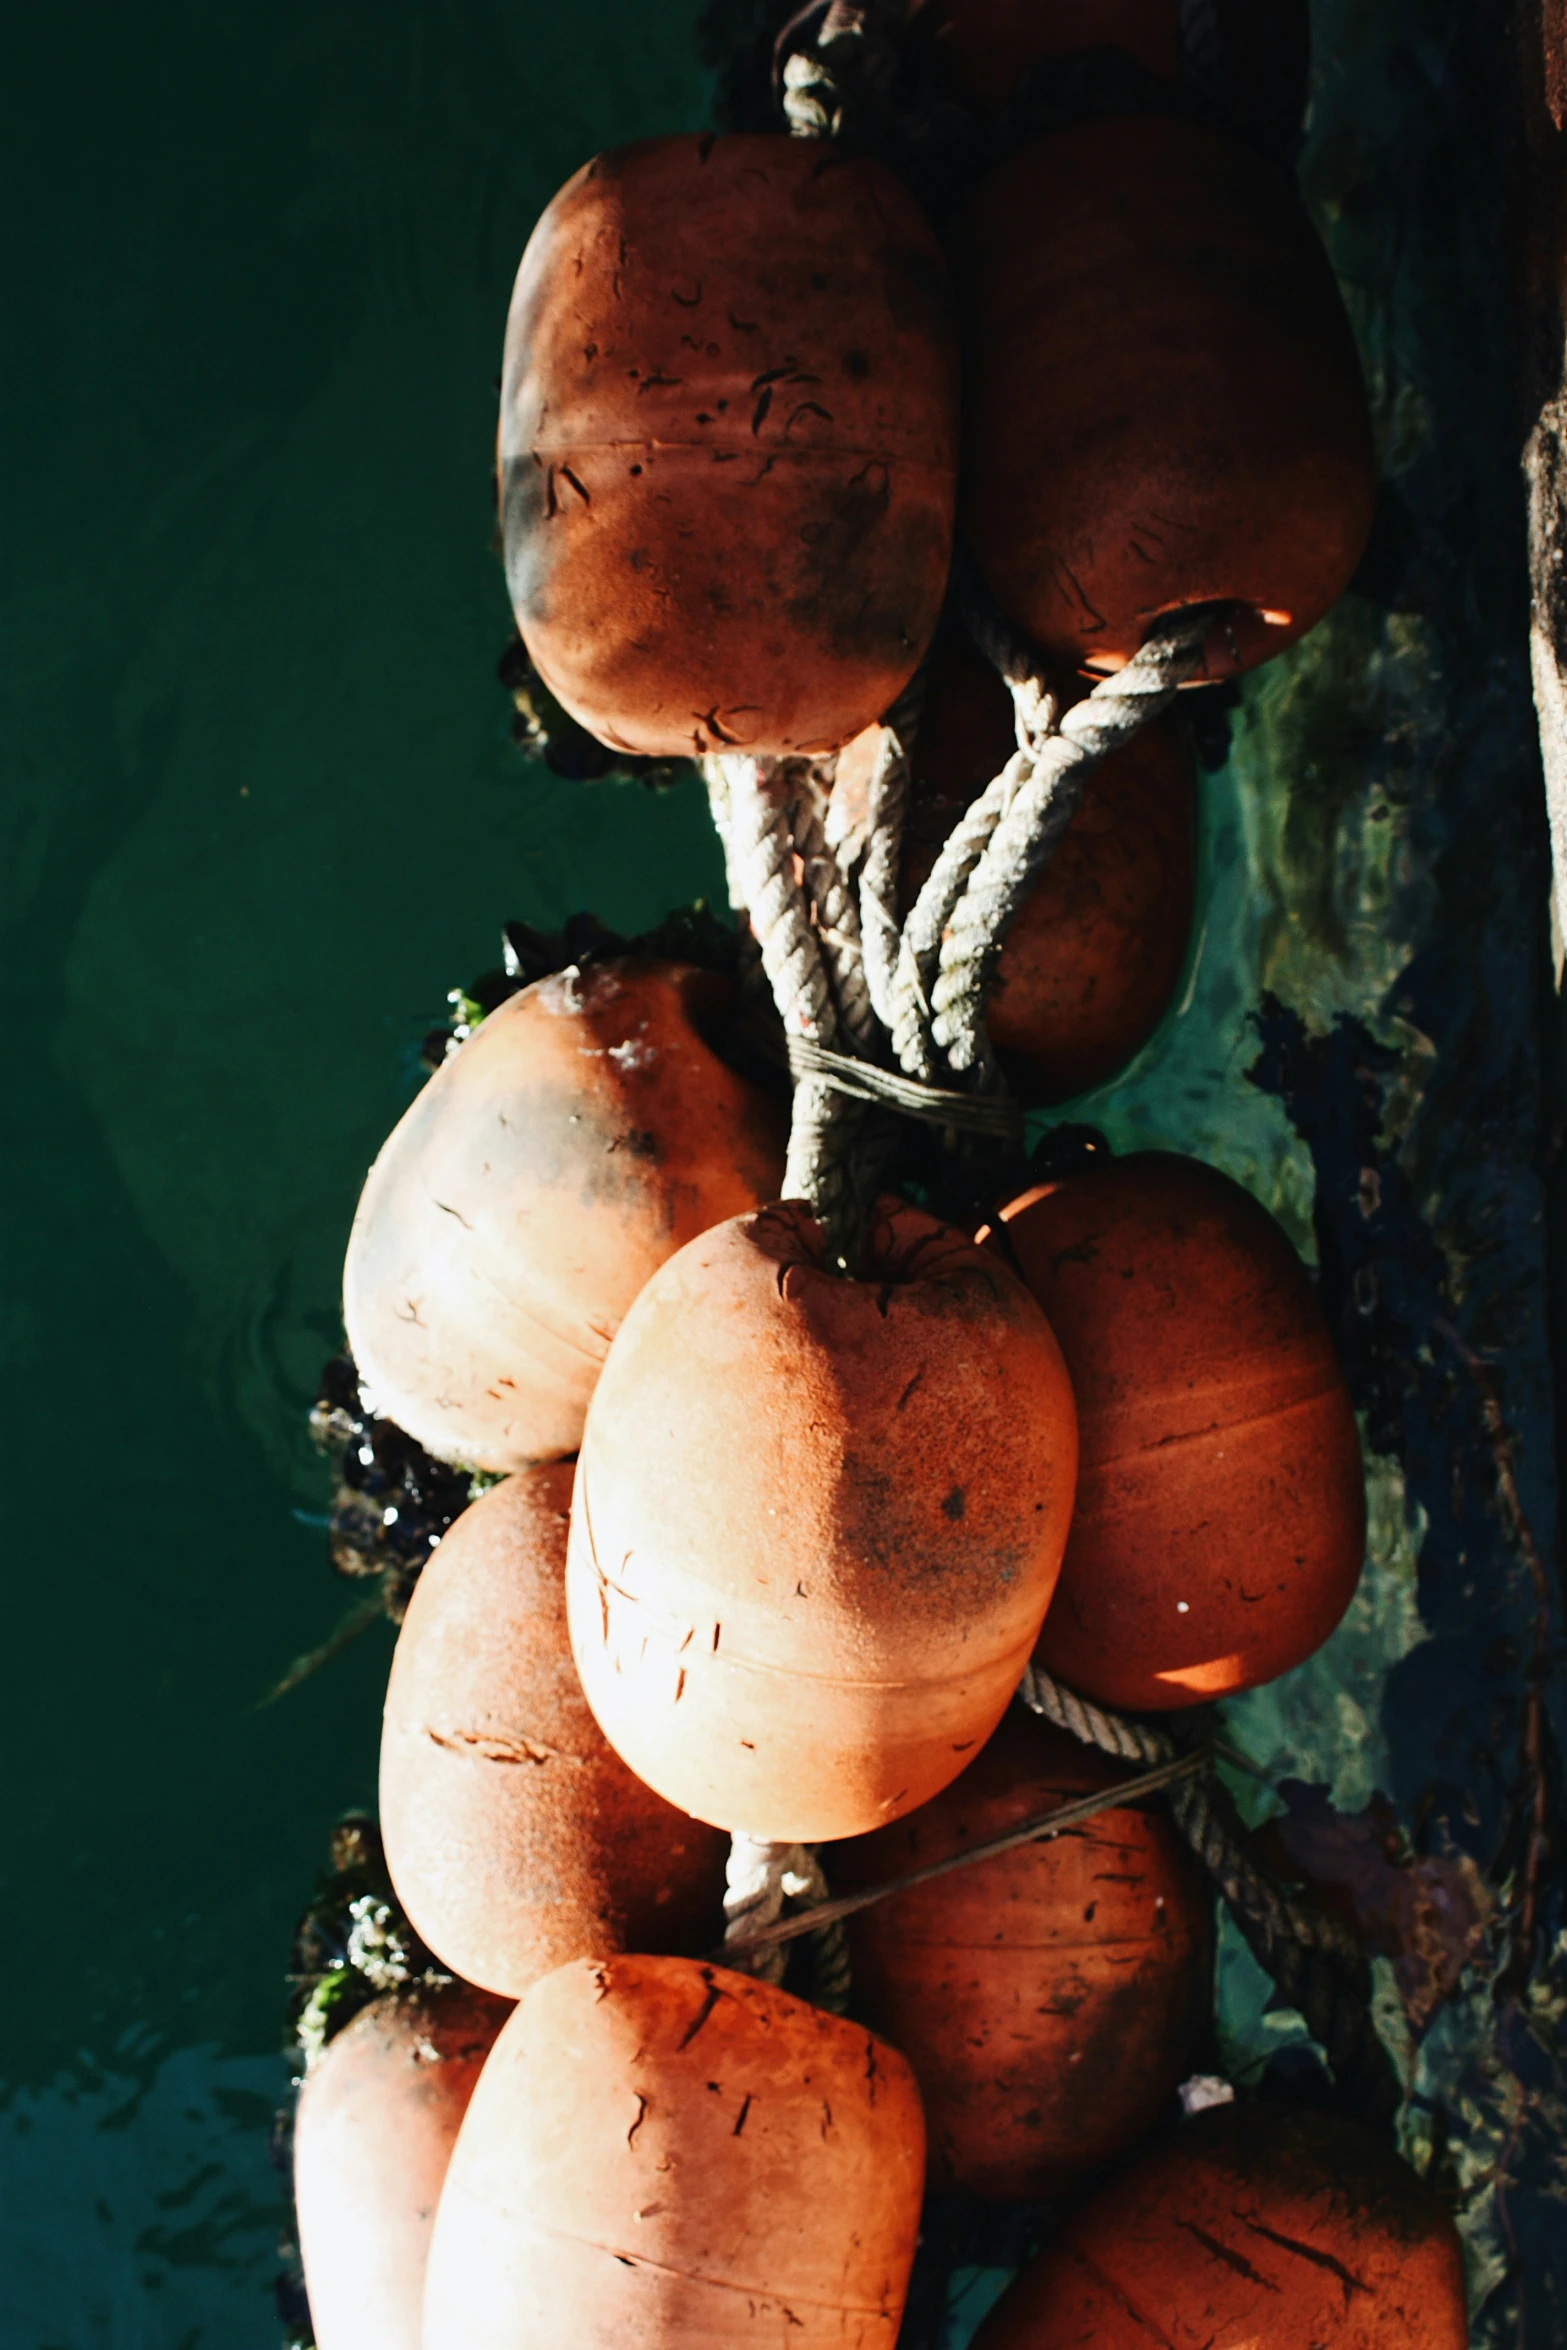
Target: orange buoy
x: 662, y: 2153
x: 1050, y: 2000
x: 378, y: 2117
x: 1254, y: 2224
x: 1093, y: 960
x: 1221, y: 1517
x: 515, y: 1837
x: 1260, y: 59
x: 728, y: 444
x: 1164, y: 406
x: 582, y: 1133
x: 817, y: 1520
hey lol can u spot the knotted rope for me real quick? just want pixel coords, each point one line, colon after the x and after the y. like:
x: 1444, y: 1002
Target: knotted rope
x: 917, y: 996
x: 833, y: 56
x: 854, y: 987
x: 857, y: 989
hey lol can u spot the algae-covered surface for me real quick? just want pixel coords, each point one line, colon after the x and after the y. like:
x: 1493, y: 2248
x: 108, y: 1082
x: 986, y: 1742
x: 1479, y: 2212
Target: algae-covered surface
x: 262, y: 812
x: 1359, y: 1044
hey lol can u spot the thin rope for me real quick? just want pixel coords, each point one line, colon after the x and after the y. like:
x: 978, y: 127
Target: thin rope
x: 754, y: 1932
x: 1316, y: 1963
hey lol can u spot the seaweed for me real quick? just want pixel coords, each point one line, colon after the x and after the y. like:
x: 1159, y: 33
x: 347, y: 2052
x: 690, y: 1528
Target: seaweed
x: 352, y: 1944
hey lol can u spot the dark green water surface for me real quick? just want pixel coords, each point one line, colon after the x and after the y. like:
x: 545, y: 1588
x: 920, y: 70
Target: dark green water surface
x: 260, y: 812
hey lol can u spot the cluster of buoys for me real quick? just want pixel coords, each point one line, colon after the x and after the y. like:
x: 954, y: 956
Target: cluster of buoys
x: 775, y: 1540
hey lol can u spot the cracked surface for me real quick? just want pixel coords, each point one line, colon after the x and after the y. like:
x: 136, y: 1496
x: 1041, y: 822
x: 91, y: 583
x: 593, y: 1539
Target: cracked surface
x: 515, y: 1836
x: 1253, y: 2225
x: 667, y: 2152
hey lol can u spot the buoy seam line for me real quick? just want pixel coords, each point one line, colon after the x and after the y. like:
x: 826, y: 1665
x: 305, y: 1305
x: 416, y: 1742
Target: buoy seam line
x: 747, y: 447
x: 732, y: 1659
x: 1224, y: 1428
x: 1049, y: 1824
x: 683, y: 2276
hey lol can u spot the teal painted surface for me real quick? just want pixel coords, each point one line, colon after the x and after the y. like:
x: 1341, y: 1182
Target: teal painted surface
x: 260, y: 813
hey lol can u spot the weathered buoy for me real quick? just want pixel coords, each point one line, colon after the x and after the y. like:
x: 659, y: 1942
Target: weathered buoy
x: 817, y: 1521
x: 1163, y: 404
x: 1255, y: 59
x: 1220, y: 1520
x: 583, y: 1132
x: 728, y: 444
x: 378, y: 2117
x: 515, y: 1836
x: 661, y: 2153
x: 1254, y: 2224
x: 1093, y: 960
x: 1049, y: 2000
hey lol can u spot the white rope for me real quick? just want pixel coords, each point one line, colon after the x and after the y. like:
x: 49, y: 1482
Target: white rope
x: 763, y: 1880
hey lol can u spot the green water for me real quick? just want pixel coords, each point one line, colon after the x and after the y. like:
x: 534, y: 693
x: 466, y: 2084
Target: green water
x: 260, y: 812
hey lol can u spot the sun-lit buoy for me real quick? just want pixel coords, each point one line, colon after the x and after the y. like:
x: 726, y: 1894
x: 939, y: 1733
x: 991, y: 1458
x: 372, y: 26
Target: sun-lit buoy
x: 515, y: 1836
x: 817, y: 1520
x: 728, y: 444
x: 378, y: 2117
x: 1220, y: 1521
x: 582, y: 1133
x: 661, y: 2153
